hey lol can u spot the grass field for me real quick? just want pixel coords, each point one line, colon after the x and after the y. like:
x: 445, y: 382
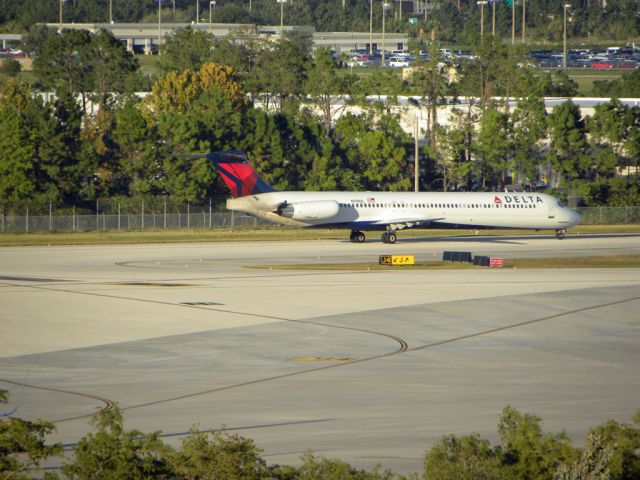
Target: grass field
x: 267, y: 234
x: 617, y: 261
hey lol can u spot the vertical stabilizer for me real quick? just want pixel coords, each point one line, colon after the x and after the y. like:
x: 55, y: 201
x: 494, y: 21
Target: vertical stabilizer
x: 236, y: 172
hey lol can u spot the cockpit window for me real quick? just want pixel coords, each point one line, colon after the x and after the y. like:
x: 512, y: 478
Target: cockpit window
x: 560, y: 204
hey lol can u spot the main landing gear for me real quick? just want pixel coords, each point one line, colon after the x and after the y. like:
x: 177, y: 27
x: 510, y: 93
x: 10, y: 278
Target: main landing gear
x: 357, y: 236
x: 389, y: 237
x: 560, y: 234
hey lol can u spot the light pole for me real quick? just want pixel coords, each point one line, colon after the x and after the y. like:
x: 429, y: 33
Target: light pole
x: 159, y: 23
x: 482, y: 3
x: 110, y: 11
x: 493, y: 18
x: 564, y: 35
x: 60, y: 28
x: 197, y: 11
x: 212, y: 5
x: 281, y: 2
x: 370, y: 27
x: 524, y: 16
x: 385, y: 6
x: 513, y: 22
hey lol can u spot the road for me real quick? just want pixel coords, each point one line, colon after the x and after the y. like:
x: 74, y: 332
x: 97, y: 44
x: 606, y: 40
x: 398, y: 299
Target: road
x: 371, y: 367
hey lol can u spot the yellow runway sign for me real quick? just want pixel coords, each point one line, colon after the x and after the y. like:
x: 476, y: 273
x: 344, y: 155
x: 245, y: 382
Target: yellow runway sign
x: 397, y: 260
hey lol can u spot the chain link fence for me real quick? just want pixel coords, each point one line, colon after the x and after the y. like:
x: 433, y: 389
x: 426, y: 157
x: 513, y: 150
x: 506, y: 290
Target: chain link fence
x: 188, y: 219
x: 199, y: 218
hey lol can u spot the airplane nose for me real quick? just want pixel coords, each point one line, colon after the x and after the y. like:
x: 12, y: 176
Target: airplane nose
x: 575, y: 217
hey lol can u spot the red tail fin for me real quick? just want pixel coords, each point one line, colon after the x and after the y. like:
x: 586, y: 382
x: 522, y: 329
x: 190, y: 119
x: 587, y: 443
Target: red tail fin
x: 236, y: 172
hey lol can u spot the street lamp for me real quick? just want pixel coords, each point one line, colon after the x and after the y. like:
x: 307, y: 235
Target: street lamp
x: 564, y: 35
x: 524, y: 16
x: 110, y: 11
x: 281, y: 2
x: 385, y: 6
x: 159, y: 23
x: 197, y: 11
x: 482, y: 3
x: 212, y: 5
x: 370, y: 27
x: 513, y: 22
x: 60, y: 28
x: 493, y: 18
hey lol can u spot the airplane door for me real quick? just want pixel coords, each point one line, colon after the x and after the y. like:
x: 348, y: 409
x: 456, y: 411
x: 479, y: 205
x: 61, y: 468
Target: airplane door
x: 552, y: 211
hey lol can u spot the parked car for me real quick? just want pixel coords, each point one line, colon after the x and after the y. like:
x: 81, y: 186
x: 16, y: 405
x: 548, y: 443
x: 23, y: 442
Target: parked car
x: 403, y: 61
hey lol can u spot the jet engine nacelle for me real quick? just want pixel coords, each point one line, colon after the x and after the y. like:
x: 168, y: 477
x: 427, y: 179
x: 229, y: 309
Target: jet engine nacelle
x: 309, y: 210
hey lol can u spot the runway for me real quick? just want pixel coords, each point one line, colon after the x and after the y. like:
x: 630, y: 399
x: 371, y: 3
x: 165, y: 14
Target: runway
x: 371, y: 367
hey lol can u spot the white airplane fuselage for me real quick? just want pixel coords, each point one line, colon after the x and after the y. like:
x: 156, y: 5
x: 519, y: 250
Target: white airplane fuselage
x: 399, y: 210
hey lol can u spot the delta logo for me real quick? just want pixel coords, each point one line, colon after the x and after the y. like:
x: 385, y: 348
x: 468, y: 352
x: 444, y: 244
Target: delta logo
x: 520, y: 199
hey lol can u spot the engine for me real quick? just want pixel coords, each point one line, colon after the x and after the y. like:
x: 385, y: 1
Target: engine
x: 309, y: 210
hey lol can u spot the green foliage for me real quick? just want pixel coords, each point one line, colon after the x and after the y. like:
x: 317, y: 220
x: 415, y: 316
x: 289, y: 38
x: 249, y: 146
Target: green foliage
x: 529, y: 121
x: 624, y: 440
x: 114, y: 453
x: 80, y: 62
x: 593, y: 464
x: 316, y: 467
x: 218, y: 455
x: 23, y: 446
x: 469, y: 457
x: 493, y: 146
x: 628, y: 85
x: 527, y: 453
x: 186, y: 48
x: 10, y: 67
x: 568, y: 149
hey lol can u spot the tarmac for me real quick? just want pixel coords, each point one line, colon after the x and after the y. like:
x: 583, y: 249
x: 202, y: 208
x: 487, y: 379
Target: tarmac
x: 371, y: 367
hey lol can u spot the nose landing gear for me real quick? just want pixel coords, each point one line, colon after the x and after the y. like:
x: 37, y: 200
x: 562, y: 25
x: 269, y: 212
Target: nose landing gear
x: 560, y: 234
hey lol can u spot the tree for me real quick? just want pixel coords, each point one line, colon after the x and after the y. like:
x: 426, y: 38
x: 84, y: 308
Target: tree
x: 218, y: 455
x: 624, y: 440
x: 593, y: 464
x: 33, y: 153
x: 529, y: 123
x: 451, y: 163
x: 494, y: 146
x: 22, y: 445
x: 316, y: 467
x: 386, y: 84
x: 627, y: 86
x: 176, y: 91
x: 432, y: 82
x: 64, y: 60
x: 283, y: 70
x: 186, y: 48
x: 114, y: 453
x: 324, y: 85
x: 469, y: 457
x: 111, y: 66
x: 527, y: 452
x: 10, y: 67
x: 568, y: 144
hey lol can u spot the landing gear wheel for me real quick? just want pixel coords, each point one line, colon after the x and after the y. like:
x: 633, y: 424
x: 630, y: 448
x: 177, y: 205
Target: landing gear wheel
x: 560, y: 234
x: 389, y: 237
x: 357, y: 237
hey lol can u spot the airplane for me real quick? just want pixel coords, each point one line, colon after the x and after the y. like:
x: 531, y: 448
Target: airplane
x: 387, y: 211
